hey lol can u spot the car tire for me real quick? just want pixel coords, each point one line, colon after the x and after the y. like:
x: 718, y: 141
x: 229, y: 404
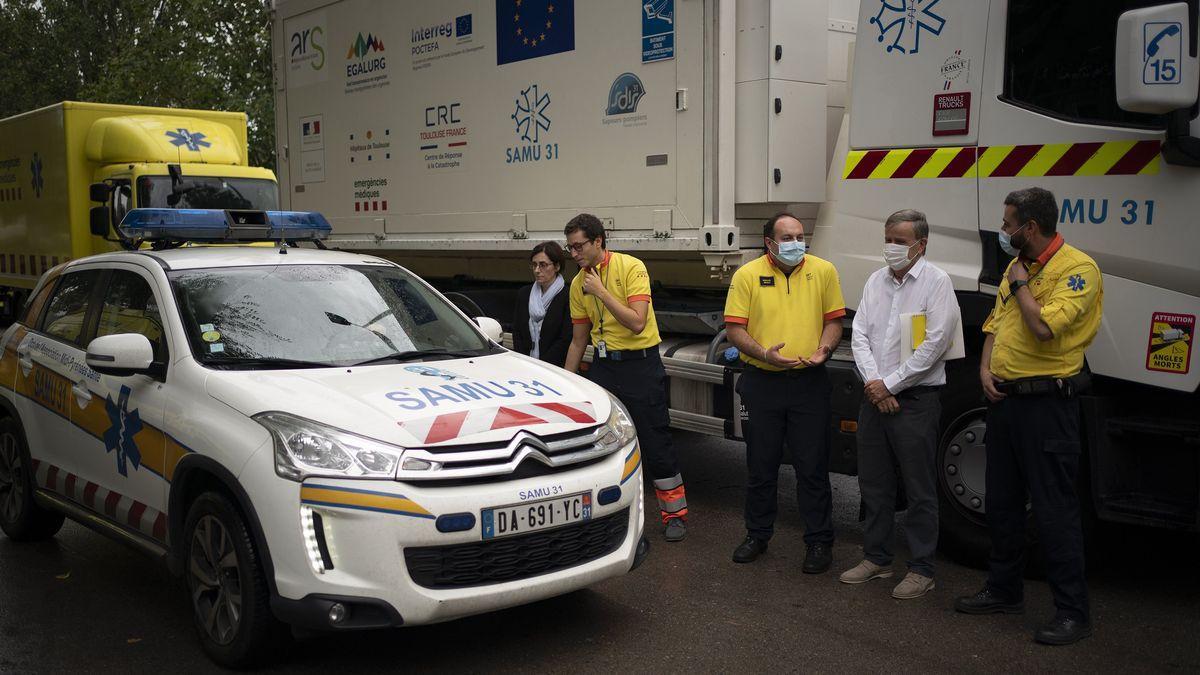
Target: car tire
x: 20, y: 516
x: 227, y: 586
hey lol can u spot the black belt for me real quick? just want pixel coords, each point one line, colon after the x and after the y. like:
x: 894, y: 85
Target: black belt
x: 623, y: 355
x: 1065, y: 387
x: 790, y: 372
x: 913, y: 392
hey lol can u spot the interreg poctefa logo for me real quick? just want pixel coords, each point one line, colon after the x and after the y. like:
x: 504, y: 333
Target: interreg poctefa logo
x: 624, y: 94
x: 36, y: 182
x: 903, y: 21
x: 192, y: 140
x: 307, y: 47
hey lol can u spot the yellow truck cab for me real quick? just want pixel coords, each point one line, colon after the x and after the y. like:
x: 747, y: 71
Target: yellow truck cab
x: 70, y: 170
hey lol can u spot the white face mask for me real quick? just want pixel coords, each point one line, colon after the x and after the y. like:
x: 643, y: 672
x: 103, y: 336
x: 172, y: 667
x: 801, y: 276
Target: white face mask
x: 896, y: 256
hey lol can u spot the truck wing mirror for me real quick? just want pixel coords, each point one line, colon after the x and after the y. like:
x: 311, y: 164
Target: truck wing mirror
x: 1156, y: 61
x: 98, y: 192
x: 99, y: 221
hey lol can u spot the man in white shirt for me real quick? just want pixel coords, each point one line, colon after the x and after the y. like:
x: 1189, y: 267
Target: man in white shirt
x: 899, y: 418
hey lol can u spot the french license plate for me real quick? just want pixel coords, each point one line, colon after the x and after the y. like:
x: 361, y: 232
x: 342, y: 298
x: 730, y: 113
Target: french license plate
x: 504, y: 521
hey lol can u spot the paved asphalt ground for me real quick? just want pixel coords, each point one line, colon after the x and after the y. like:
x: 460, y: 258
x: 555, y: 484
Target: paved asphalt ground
x: 82, y: 602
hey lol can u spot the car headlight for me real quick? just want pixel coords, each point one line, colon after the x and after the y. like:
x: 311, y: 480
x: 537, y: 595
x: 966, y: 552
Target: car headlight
x: 619, y: 431
x: 306, y: 448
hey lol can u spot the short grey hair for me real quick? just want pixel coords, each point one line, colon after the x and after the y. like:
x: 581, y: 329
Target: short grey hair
x: 920, y: 225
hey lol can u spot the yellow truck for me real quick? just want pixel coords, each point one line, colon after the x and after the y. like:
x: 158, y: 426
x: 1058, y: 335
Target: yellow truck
x: 70, y: 171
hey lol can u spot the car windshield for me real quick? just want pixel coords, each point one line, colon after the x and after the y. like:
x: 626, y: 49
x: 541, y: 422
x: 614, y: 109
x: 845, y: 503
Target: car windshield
x: 287, y: 316
x: 208, y: 192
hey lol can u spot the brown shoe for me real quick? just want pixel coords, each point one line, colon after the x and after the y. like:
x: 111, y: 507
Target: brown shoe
x: 912, y: 586
x: 864, y: 572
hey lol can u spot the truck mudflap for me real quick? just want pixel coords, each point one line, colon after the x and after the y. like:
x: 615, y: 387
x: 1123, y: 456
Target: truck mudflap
x: 845, y: 401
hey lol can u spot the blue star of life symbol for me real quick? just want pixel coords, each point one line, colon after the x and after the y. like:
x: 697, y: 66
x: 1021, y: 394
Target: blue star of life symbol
x: 193, y: 141
x: 1076, y: 282
x: 905, y: 20
x: 530, y: 115
x: 35, y: 167
x: 125, y: 425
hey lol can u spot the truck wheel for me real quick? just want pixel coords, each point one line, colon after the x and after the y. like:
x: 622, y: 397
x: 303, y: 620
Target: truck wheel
x: 20, y: 516
x: 228, y: 590
x: 961, y: 467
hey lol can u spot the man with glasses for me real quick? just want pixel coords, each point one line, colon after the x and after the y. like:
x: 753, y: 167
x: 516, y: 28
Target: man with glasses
x: 610, y: 307
x: 784, y: 314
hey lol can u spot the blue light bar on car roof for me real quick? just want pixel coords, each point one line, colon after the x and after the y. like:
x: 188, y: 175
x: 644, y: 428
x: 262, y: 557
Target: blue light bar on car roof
x: 217, y: 226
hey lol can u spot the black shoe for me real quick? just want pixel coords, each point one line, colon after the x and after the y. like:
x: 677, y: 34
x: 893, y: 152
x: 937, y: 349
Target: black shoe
x: 1063, y: 630
x: 988, y: 601
x: 818, y: 559
x: 749, y: 550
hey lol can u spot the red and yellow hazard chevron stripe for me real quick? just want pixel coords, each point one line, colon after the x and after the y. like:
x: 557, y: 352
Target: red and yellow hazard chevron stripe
x: 1111, y: 158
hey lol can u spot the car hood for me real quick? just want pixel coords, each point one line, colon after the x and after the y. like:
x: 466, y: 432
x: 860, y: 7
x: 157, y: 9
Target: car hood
x: 473, y: 400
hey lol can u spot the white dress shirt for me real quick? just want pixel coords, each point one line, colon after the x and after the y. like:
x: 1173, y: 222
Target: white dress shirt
x: 925, y: 289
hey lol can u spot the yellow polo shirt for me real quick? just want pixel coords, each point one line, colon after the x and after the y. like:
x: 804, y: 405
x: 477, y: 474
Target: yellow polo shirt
x: 627, y: 279
x: 1067, y: 284
x: 791, y: 308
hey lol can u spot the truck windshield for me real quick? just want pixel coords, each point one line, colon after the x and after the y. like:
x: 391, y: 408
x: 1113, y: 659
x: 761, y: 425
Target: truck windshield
x: 296, y: 316
x: 208, y: 192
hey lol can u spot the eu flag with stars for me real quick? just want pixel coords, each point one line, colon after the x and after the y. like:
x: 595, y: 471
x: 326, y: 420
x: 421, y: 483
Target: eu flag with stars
x: 527, y: 29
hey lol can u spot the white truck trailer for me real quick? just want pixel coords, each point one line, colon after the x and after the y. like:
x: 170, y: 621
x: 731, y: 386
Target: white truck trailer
x: 453, y: 136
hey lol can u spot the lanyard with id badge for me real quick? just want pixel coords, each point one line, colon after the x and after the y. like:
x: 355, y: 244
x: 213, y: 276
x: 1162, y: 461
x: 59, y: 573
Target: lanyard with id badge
x: 601, y: 346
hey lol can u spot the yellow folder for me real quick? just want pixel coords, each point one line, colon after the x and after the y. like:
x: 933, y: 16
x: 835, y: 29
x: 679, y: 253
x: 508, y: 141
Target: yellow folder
x: 912, y: 334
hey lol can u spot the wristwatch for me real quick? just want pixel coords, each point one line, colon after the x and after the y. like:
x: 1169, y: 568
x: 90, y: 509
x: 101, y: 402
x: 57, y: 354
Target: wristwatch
x: 1015, y: 286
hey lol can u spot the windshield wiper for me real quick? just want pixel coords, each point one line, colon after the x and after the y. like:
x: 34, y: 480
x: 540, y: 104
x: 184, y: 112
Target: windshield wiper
x: 266, y: 363
x: 413, y: 355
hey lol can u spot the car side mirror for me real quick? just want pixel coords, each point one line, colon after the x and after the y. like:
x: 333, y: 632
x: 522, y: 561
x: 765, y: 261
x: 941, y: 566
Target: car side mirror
x: 490, y: 328
x: 98, y: 192
x: 98, y: 221
x: 121, y: 355
x: 1156, y: 69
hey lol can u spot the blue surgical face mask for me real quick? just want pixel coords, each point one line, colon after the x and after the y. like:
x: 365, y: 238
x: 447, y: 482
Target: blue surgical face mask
x: 1007, y: 245
x: 790, y: 253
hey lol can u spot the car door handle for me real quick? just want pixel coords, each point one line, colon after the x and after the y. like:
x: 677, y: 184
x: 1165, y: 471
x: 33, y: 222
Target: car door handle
x: 25, y: 361
x: 82, y: 395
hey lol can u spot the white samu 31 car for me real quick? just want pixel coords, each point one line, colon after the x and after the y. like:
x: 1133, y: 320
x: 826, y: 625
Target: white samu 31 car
x: 309, y: 437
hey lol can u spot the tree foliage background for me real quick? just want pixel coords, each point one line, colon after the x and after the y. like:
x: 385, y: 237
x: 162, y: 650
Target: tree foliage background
x: 207, y: 54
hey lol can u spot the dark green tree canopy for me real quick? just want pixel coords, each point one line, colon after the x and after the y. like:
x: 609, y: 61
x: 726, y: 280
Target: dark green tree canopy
x: 206, y: 54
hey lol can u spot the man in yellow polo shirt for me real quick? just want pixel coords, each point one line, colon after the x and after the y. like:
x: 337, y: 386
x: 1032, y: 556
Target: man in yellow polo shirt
x: 611, y: 309
x: 1046, y: 314
x: 784, y: 313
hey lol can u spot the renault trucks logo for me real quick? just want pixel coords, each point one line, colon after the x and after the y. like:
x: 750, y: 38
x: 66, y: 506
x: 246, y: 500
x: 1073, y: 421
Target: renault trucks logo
x: 36, y: 182
x: 362, y: 47
x: 192, y: 140
x: 903, y: 21
x: 125, y: 424
x: 624, y: 94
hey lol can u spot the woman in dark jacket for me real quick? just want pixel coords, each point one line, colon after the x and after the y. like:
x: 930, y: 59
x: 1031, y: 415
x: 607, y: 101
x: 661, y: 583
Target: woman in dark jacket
x: 542, y: 318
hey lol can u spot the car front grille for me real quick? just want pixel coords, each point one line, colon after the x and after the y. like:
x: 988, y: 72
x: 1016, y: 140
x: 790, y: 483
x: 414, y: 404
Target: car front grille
x: 525, y: 454
x: 518, y: 557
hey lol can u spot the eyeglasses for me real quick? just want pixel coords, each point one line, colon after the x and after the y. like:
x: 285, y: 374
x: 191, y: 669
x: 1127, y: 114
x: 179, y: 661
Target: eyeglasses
x: 576, y: 248
x: 535, y: 266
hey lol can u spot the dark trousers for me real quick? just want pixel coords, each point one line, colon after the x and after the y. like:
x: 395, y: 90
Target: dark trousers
x: 795, y: 408
x: 906, y: 440
x: 1033, y: 445
x: 640, y: 384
